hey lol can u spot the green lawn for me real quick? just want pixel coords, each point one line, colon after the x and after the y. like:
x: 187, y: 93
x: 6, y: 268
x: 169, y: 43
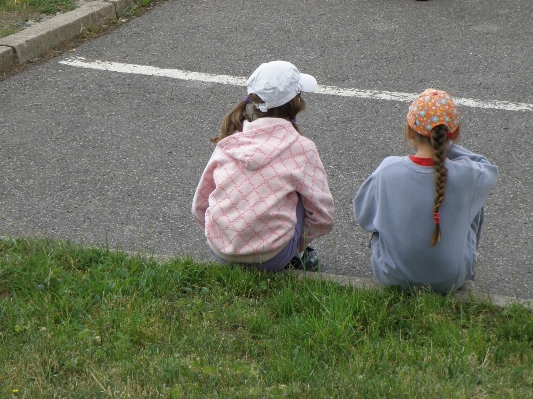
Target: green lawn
x: 83, y: 322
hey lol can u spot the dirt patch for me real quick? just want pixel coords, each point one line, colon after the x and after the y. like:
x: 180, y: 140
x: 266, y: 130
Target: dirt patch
x: 13, y: 22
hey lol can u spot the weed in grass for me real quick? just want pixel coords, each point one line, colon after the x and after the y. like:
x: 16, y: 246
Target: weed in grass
x: 83, y: 322
x: 130, y: 11
x: 51, y: 6
x: 8, y: 29
x: 134, y: 8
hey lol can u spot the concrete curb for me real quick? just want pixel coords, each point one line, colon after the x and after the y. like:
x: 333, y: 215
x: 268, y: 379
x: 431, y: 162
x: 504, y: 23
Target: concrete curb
x: 7, y: 58
x: 462, y: 295
x: 33, y: 42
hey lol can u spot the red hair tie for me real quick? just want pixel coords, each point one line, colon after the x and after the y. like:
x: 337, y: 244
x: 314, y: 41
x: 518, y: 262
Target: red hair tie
x: 436, y: 217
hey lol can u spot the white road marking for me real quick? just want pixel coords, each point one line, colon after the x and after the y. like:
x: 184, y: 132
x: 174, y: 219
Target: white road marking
x: 81, y: 62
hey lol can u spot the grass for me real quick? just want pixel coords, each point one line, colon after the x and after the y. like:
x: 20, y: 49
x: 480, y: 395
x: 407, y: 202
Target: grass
x: 13, y: 13
x: 84, y: 322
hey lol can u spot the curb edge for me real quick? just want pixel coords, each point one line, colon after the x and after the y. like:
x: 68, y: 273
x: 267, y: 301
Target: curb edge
x: 461, y: 295
x: 34, y: 41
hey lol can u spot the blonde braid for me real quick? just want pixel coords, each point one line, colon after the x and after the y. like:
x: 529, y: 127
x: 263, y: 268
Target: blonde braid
x: 438, y: 140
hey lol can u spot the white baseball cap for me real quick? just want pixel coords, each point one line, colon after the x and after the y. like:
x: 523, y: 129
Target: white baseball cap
x: 277, y: 83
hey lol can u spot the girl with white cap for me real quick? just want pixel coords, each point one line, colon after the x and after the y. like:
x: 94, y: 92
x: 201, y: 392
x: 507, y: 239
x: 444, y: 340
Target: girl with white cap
x: 426, y: 210
x: 264, y: 196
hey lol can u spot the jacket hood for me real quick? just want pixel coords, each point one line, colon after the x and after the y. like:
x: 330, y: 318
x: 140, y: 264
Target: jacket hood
x: 260, y: 142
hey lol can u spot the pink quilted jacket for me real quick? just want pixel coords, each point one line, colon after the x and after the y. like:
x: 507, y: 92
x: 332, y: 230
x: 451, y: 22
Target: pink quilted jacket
x: 247, y: 196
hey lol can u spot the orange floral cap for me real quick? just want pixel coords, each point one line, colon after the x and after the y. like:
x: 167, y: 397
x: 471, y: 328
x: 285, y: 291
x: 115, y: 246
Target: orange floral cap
x: 432, y: 108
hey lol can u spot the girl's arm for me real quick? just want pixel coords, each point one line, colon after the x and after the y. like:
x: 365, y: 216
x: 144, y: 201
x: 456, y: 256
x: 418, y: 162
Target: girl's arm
x: 487, y: 174
x: 456, y: 151
x: 206, y: 186
x: 364, y: 204
x: 316, y: 199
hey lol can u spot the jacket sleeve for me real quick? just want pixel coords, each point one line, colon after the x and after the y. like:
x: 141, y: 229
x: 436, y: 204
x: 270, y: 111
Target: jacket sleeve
x: 316, y: 199
x: 487, y: 174
x: 364, y: 204
x: 206, y: 186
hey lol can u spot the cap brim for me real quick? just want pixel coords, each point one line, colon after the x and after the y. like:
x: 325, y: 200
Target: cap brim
x: 308, y: 83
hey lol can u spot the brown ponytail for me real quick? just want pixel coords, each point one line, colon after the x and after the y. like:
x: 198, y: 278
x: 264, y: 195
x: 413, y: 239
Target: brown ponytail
x: 233, y: 121
x: 438, y: 141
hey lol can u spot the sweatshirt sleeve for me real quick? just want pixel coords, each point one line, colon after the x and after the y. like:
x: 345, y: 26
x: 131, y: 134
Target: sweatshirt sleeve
x: 364, y: 204
x: 206, y: 186
x: 456, y: 151
x: 316, y: 199
x: 487, y: 174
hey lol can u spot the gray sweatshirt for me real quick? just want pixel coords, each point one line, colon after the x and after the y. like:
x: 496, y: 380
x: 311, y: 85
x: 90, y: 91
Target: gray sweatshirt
x: 396, y: 202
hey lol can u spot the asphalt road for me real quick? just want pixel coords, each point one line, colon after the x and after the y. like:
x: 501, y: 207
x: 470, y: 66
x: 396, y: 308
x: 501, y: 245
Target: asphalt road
x: 98, y: 156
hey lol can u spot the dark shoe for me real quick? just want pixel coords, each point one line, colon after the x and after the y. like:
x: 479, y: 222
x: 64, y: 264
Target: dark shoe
x: 309, y: 261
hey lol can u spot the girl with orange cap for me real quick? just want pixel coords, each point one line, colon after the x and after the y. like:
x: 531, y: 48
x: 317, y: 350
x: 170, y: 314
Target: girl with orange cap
x: 426, y: 210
